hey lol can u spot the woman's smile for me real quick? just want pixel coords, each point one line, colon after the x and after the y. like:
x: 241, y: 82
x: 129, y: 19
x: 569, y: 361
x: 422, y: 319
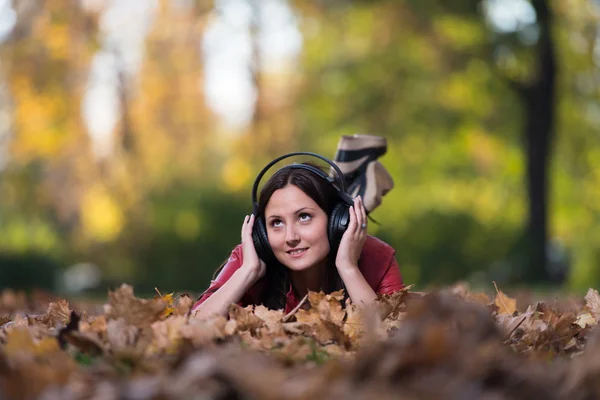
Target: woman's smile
x: 297, y: 253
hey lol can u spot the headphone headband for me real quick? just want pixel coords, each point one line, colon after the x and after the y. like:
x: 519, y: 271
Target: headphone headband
x: 341, y: 190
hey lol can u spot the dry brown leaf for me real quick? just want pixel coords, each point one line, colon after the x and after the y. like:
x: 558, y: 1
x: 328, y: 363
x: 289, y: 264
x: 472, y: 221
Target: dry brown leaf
x: 245, y: 318
x: 166, y: 335
x: 271, y: 318
x: 203, y: 331
x: 462, y: 290
x: 353, y: 326
x: 58, y: 312
x: 309, y: 317
x: 168, y: 299
x: 19, y: 342
x: 585, y: 319
x: 314, y: 298
x: 98, y: 325
x: 505, y: 304
x: 184, y: 304
x: 390, y: 305
x: 84, y: 342
x: 330, y: 308
x: 4, y: 320
x: 592, y: 302
x: 121, y: 336
x: 135, y: 311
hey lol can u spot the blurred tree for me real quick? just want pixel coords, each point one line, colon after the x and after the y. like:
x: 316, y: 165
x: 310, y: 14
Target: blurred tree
x: 45, y: 65
x: 432, y: 76
x: 537, y: 92
x: 412, y: 74
x: 164, y: 143
x: 165, y: 207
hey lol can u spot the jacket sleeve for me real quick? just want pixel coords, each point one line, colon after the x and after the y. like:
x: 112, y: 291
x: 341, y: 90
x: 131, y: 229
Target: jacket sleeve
x: 392, y: 280
x: 233, y: 264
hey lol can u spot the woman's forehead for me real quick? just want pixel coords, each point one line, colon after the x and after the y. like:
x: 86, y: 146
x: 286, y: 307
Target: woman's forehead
x: 289, y: 199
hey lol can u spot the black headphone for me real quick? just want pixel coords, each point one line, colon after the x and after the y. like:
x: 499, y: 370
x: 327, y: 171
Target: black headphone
x: 338, y: 220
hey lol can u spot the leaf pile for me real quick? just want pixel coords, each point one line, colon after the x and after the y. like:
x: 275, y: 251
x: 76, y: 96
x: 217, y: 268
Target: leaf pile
x: 446, y: 344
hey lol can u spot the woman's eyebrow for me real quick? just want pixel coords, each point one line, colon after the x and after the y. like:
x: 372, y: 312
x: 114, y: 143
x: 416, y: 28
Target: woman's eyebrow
x: 302, y: 209
x: 298, y: 211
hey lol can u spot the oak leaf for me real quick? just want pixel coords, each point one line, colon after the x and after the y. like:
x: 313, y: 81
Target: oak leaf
x: 58, y: 312
x: 271, y: 318
x: 135, y: 311
x: 244, y: 317
x: 323, y: 321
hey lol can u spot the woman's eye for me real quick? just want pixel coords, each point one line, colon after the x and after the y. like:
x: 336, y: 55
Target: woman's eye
x: 304, y: 217
x: 276, y: 223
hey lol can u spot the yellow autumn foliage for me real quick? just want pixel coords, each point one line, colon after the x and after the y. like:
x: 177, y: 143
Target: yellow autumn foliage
x: 102, y: 219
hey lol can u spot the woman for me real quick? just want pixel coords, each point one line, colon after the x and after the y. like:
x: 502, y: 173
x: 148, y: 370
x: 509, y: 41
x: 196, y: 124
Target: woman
x: 295, y: 206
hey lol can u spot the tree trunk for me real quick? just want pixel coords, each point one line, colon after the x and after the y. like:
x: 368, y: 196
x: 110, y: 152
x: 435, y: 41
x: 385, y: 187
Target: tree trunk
x: 539, y: 99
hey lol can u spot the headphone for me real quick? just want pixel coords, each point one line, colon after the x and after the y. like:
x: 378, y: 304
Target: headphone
x: 338, y: 220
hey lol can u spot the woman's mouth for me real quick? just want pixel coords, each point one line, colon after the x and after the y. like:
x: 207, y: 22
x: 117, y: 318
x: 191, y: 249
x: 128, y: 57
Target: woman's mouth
x: 296, y: 253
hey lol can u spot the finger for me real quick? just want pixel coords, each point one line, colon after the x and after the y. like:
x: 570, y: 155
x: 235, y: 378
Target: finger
x: 244, y: 225
x: 359, y: 219
x: 363, y: 214
x: 356, y: 227
x: 352, y: 223
x: 354, y: 217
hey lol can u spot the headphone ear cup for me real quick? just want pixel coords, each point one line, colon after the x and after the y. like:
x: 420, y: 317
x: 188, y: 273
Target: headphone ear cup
x: 338, y: 224
x: 261, y: 241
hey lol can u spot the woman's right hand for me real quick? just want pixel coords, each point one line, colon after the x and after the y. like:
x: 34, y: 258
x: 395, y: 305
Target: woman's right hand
x: 251, y: 262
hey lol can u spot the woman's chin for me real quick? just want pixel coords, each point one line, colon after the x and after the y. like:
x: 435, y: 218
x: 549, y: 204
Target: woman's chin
x: 297, y: 263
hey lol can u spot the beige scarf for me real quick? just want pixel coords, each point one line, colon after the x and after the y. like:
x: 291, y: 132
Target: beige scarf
x: 356, y: 156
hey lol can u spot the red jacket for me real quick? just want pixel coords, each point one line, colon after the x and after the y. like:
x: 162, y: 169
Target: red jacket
x: 377, y: 263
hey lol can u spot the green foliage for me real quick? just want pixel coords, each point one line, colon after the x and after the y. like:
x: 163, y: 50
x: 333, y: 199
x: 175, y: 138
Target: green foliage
x: 167, y: 206
x: 26, y: 271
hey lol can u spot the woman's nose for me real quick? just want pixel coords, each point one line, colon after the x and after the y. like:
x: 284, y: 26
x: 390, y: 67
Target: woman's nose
x: 291, y: 234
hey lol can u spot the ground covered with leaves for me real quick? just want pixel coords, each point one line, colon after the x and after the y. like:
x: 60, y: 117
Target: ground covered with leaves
x: 451, y: 344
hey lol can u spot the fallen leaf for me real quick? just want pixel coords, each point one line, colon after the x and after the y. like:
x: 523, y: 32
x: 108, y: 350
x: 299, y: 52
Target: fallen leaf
x: 168, y: 299
x: 121, y: 336
x: 58, y: 312
x: 592, y: 302
x: 203, y: 331
x: 353, y: 326
x: 135, y: 311
x: 271, y: 318
x: 244, y: 318
x: 505, y: 304
x: 586, y: 319
x: 184, y: 304
x: 166, y: 335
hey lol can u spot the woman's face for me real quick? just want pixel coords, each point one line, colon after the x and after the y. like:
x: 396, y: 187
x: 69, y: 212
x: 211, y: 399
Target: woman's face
x: 297, y: 229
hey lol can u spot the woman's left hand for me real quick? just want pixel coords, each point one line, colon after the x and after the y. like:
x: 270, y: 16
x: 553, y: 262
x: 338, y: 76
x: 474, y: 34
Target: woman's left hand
x: 353, y: 239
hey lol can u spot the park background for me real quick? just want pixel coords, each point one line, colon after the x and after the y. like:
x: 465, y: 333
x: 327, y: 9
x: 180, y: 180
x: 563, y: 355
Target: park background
x: 131, y: 132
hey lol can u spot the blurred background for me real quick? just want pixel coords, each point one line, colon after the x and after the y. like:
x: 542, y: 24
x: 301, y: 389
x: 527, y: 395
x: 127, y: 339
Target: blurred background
x: 131, y: 132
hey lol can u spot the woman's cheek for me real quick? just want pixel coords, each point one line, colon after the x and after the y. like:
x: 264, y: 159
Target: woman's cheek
x: 275, y: 240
